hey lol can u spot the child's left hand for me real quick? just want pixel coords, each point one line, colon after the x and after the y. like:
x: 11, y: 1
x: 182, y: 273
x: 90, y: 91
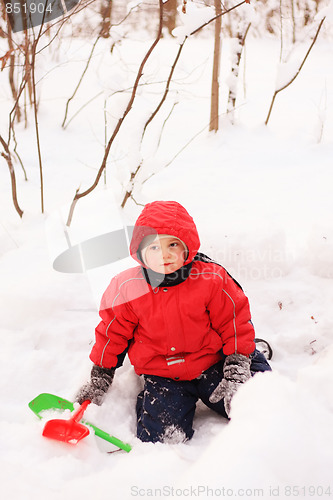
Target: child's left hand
x: 236, y: 371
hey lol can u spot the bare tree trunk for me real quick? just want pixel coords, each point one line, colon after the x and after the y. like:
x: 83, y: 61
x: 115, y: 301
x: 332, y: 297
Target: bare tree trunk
x: 214, y: 101
x: 12, y: 70
x: 32, y: 68
x: 293, y: 19
x: 27, y: 67
x: 281, y: 30
x: 106, y: 10
x: 241, y: 37
x: 170, y: 11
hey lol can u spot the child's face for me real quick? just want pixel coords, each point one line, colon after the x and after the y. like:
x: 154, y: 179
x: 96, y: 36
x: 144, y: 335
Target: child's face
x: 165, y: 255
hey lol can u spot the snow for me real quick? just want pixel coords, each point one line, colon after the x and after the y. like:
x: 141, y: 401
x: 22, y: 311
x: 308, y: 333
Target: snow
x: 326, y: 12
x: 262, y: 200
x: 286, y: 72
x: 192, y: 19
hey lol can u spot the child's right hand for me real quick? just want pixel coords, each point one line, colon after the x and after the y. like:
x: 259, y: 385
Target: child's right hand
x: 95, y: 390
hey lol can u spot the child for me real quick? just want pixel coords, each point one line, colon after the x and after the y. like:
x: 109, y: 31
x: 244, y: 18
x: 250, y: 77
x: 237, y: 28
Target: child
x: 185, y: 323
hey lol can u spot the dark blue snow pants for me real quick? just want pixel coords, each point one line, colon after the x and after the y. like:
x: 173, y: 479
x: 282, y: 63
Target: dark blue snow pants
x: 166, y: 407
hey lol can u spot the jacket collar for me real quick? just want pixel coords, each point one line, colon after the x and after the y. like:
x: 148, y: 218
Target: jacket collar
x: 165, y: 280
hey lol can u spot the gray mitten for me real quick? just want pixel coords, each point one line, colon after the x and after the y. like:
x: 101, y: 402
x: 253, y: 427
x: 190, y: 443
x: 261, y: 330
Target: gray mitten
x: 236, y: 371
x: 95, y: 390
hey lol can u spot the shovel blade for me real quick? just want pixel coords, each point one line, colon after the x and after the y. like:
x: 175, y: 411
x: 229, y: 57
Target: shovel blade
x: 47, y: 401
x: 67, y: 431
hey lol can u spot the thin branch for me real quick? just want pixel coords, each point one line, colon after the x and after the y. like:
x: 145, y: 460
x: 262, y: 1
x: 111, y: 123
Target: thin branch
x: 80, y: 80
x: 18, y: 156
x: 13, y: 111
x: 137, y: 203
x: 35, y: 107
x: 128, y: 194
x: 181, y: 150
x: 100, y: 35
x: 165, y: 122
x: 297, y: 72
x: 122, y: 91
x: 82, y: 107
x: 7, y: 156
x: 217, y: 16
x: 37, y: 131
x: 63, y: 20
x: 167, y: 88
x: 130, y: 103
x: 129, y: 191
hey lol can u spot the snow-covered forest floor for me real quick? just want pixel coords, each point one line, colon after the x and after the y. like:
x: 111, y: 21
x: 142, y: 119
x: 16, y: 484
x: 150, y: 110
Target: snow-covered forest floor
x: 262, y: 200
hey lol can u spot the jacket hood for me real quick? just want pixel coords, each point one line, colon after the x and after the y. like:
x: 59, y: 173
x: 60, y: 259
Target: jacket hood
x: 165, y: 217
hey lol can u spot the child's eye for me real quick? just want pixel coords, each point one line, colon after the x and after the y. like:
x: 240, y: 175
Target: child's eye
x: 174, y: 244
x: 154, y: 247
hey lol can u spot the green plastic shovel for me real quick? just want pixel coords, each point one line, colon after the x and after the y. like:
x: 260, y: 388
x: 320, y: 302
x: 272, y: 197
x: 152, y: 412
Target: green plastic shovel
x: 47, y: 401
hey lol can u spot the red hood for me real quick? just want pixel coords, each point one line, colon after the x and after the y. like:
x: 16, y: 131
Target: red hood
x: 165, y: 217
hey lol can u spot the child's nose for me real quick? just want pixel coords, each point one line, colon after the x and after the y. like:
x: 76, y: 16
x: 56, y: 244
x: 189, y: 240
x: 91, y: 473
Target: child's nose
x: 166, y: 253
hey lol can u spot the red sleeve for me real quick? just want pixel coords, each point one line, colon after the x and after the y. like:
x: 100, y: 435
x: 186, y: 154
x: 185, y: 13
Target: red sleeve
x: 230, y: 316
x: 116, y: 329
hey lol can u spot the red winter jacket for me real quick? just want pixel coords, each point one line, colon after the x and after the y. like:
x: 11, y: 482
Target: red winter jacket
x: 172, y: 331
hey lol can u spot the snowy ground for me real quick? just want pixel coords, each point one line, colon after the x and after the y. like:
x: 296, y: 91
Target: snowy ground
x: 262, y: 199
